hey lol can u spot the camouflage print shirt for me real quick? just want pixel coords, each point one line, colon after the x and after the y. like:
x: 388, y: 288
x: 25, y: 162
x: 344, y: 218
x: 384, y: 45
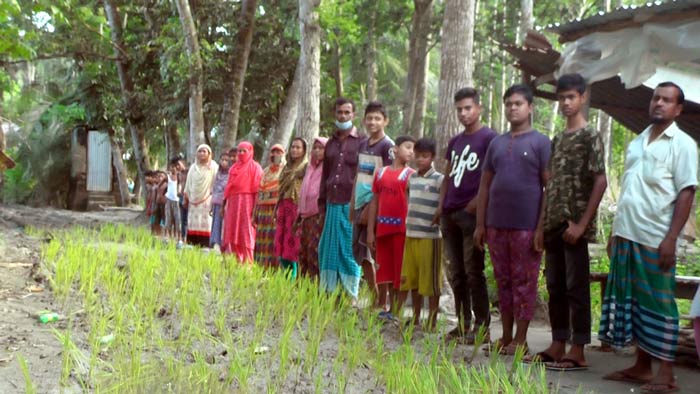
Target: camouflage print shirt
x: 577, y: 157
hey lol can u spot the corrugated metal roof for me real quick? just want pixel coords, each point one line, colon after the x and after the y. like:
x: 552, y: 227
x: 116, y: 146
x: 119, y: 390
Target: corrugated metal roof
x: 630, y: 107
x: 622, y: 14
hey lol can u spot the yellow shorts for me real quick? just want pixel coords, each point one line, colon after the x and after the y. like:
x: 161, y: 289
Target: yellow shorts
x: 422, y: 266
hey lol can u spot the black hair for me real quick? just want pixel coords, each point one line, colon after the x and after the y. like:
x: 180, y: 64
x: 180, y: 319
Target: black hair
x: 467, y: 93
x: 289, y: 151
x: 668, y: 84
x: 233, y: 150
x: 404, y: 138
x: 425, y: 145
x: 175, y: 159
x: 148, y: 173
x: 376, y: 106
x: 224, y: 153
x: 571, y: 82
x: 343, y: 100
x: 521, y: 89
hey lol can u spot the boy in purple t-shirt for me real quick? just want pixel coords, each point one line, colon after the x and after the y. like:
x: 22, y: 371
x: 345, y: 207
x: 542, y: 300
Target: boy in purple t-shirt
x: 465, y: 269
x: 510, y: 215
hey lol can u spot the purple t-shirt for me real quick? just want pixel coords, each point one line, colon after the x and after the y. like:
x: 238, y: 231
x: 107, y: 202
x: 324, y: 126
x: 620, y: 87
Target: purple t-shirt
x: 516, y: 190
x: 466, y: 153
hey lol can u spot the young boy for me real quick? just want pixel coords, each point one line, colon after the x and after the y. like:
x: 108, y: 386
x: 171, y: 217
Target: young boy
x: 375, y: 153
x: 160, y: 189
x: 422, y: 258
x: 217, y: 201
x: 510, y: 212
x: 172, y: 210
x: 574, y: 190
x: 386, y: 226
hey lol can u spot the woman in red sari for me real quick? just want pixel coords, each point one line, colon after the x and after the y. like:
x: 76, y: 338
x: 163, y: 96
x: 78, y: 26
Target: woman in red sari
x: 239, y: 203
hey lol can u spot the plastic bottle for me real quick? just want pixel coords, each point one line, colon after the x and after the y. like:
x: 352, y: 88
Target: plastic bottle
x: 49, y: 317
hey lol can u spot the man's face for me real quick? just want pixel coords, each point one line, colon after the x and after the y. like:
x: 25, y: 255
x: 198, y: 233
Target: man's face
x: 664, y: 107
x: 344, y: 112
x: 571, y: 101
x: 517, y: 109
x: 375, y: 122
x: 468, y: 111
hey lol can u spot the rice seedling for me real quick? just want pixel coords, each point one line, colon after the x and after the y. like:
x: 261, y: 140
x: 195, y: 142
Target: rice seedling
x: 185, y: 321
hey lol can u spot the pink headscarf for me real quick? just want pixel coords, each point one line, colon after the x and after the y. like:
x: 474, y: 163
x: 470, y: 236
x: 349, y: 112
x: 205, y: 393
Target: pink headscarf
x: 311, y: 185
x: 244, y: 175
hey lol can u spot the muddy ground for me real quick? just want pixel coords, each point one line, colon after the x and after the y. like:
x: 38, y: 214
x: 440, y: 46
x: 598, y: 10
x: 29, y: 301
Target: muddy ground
x: 24, y: 292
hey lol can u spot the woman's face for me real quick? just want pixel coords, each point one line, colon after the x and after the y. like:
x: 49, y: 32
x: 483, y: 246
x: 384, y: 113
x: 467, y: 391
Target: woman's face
x: 318, y: 151
x: 202, y: 155
x: 276, y: 156
x: 296, y: 151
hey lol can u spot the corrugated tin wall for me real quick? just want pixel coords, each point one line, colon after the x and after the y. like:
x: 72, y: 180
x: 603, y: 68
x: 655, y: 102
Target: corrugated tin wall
x: 99, y: 174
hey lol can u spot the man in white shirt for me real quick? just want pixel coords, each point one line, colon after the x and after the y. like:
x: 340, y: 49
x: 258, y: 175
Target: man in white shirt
x: 658, y: 186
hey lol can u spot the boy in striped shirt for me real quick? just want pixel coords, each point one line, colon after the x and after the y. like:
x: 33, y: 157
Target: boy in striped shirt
x: 421, y: 271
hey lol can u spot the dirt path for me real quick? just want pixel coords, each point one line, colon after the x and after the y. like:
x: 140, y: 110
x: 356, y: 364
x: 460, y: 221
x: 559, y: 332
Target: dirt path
x: 24, y: 292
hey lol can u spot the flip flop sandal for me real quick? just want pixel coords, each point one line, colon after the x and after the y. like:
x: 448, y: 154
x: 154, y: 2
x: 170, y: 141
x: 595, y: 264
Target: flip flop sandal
x: 539, y: 358
x: 620, y: 376
x: 511, y: 349
x: 574, y: 365
x: 666, y: 388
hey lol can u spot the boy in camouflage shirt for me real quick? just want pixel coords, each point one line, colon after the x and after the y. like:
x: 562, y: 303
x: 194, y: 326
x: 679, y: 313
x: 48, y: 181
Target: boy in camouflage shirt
x: 573, y: 193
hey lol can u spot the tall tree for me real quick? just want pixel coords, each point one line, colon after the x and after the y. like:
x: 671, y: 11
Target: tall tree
x: 131, y: 105
x: 233, y: 92
x: 371, y: 52
x: 282, y: 131
x: 416, y: 79
x: 196, y: 77
x: 526, y: 20
x: 309, y: 116
x: 455, y: 65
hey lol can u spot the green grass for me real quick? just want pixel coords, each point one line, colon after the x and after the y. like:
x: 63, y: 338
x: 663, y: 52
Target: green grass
x: 185, y: 321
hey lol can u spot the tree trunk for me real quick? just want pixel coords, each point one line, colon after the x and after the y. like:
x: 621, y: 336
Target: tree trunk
x: 172, y: 138
x: 416, y: 79
x: 371, y: 56
x: 455, y: 65
x: 287, y: 116
x: 233, y: 93
x: 308, y: 118
x: 526, y: 20
x: 338, y: 70
x: 132, y: 107
x: 196, y: 77
x: 119, y: 172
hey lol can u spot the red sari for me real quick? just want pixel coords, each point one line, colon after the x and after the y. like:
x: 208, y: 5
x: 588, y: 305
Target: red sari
x: 240, y: 195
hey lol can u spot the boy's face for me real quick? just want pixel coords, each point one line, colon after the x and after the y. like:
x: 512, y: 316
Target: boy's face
x: 468, y: 111
x: 181, y: 166
x: 424, y: 160
x: 518, y: 110
x: 375, y: 122
x: 570, y: 102
x: 404, y: 152
x: 162, y: 177
x: 224, y: 162
x: 232, y: 156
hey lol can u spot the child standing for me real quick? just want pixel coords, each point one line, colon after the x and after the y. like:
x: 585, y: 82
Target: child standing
x: 161, y: 200
x: 375, y: 153
x: 172, y: 210
x: 310, y: 221
x: 510, y: 212
x: 287, y: 240
x: 217, y: 200
x: 421, y: 272
x: 387, y: 212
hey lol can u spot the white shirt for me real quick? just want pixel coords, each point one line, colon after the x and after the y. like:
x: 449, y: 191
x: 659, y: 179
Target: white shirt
x: 655, y: 173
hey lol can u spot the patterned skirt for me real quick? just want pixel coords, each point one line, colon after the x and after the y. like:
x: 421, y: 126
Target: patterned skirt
x: 336, y: 261
x: 311, y: 228
x: 287, y: 240
x: 639, y: 302
x: 265, y: 236
x: 199, y: 223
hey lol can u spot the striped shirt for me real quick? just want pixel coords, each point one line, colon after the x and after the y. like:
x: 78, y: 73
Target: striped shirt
x: 423, y: 196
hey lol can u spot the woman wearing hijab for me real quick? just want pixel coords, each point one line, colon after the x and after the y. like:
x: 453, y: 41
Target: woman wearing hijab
x: 310, y: 222
x: 287, y: 242
x: 197, y: 194
x: 239, y: 203
x: 264, y: 216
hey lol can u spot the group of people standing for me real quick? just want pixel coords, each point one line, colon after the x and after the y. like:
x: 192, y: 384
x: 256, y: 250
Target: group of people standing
x: 362, y: 205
